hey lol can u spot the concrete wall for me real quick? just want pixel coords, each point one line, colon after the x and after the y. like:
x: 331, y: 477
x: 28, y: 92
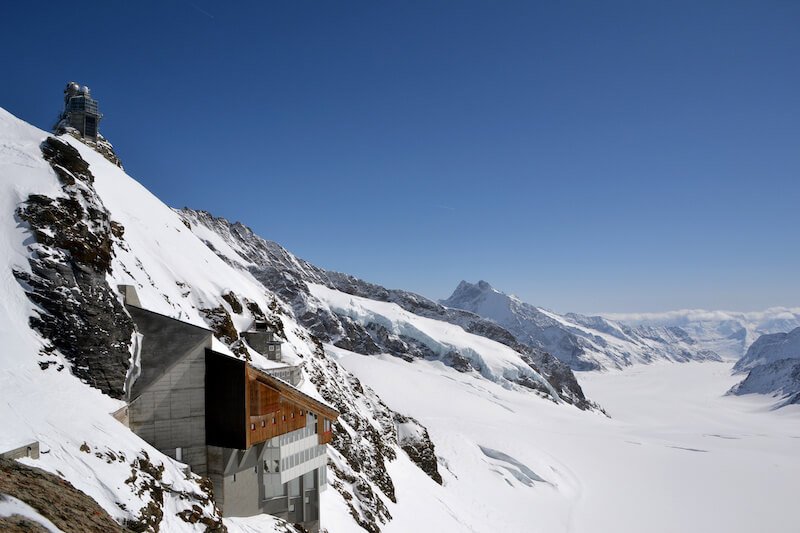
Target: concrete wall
x: 30, y: 449
x: 243, y: 481
x: 264, y: 343
x: 289, y: 374
x: 281, y: 477
x: 170, y: 413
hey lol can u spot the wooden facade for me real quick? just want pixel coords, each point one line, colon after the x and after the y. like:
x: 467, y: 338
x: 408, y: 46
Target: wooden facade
x: 276, y: 408
x: 248, y: 406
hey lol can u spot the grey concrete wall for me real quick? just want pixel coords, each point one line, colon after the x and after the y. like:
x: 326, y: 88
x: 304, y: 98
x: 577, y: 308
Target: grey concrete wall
x: 289, y: 374
x: 264, y: 343
x: 30, y: 449
x: 170, y: 413
x: 243, y: 481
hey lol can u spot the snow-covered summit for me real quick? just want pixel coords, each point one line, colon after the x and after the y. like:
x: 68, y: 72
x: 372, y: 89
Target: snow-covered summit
x: 584, y: 342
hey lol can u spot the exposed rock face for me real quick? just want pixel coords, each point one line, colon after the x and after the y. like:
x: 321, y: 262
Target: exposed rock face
x: 101, y: 146
x: 361, y: 446
x: 773, y: 366
x: 779, y: 378
x: 54, y: 498
x: 287, y: 275
x: 79, y: 313
x: 414, y: 439
x: 769, y: 348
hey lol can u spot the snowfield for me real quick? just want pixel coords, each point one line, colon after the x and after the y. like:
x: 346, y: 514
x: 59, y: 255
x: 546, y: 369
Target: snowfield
x: 676, y: 456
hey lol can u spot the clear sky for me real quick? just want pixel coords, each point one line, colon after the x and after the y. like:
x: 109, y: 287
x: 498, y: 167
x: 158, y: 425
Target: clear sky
x: 586, y: 156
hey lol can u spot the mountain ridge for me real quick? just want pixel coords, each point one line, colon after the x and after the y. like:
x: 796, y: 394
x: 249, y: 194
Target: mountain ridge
x: 583, y: 342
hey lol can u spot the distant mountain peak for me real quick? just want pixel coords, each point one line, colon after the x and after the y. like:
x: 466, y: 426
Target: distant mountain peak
x: 582, y: 342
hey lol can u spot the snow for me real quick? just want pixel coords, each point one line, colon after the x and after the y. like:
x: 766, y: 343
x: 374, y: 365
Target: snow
x: 496, y: 362
x: 10, y: 506
x: 677, y: 455
x: 729, y: 333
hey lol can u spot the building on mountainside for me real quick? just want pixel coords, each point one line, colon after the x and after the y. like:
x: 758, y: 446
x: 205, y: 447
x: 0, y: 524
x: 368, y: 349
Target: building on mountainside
x: 80, y: 111
x: 260, y: 440
x: 261, y: 338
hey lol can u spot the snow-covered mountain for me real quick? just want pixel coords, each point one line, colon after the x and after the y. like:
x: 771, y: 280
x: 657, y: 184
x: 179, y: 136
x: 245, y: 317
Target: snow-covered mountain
x: 369, y: 319
x: 583, y: 342
x: 447, y: 422
x: 773, y: 366
x: 74, y: 226
x: 729, y: 333
x: 770, y: 347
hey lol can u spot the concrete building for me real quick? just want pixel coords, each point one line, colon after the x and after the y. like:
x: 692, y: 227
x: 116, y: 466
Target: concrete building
x: 81, y: 111
x: 261, y: 338
x: 259, y: 439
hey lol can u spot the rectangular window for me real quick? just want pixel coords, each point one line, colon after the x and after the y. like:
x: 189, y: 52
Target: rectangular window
x: 179, y: 454
x: 271, y: 348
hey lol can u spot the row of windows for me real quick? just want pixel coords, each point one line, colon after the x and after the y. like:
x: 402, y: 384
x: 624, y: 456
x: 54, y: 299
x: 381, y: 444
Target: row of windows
x: 274, y: 465
x: 81, y: 103
x: 295, y: 436
x: 274, y: 420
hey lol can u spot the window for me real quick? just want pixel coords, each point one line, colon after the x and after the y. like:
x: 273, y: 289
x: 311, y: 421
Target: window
x: 263, y: 423
x: 252, y: 427
x: 272, y: 466
x: 178, y: 453
x: 271, y: 347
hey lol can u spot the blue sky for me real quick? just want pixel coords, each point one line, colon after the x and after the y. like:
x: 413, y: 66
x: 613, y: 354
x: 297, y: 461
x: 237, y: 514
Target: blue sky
x: 586, y: 156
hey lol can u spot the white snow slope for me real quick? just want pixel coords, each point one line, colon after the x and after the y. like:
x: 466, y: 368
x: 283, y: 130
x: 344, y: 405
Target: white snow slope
x: 677, y: 456
x: 494, y: 361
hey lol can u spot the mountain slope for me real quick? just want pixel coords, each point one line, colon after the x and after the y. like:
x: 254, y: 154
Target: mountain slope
x: 584, y: 343
x: 769, y: 348
x: 773, y: 366
x: 293, y: 278
x: 73, y: 227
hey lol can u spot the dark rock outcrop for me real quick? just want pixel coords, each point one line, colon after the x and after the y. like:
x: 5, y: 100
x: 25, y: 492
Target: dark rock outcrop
x: 78, y: 312
x: 56, y: 499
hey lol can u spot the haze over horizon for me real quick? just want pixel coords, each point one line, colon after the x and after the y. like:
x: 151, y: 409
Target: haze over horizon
x: 584, y: 157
